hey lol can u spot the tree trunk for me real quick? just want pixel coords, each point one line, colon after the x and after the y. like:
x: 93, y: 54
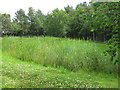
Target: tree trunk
x: 93, y: 36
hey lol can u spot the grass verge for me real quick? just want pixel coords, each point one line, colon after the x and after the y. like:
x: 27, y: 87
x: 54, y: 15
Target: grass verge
x: 23, y: 74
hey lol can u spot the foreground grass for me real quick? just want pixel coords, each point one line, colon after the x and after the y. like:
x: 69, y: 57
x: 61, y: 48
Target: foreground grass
x: 22, y: 74
x: 71, y: 54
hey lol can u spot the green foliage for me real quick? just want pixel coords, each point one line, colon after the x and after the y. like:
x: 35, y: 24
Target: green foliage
x: 1, y: 26
x: 6, y: 24
x: 76, y: 23
x: 69, y: 9
x: 21, y: 22
x: 36, y: 19
x: 113, y: 43
x: 55, y: 23
x: 73, y: 55
x: 15, y: 28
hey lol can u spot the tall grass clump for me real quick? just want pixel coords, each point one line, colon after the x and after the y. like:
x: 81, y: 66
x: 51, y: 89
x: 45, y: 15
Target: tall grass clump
x: 71, y: 54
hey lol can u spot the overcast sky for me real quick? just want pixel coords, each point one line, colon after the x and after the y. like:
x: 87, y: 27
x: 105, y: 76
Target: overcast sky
x: 11, y: 6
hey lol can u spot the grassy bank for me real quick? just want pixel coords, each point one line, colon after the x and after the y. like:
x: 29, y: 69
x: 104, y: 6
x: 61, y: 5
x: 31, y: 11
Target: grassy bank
x: 22, y: 74
x: 74, y: 55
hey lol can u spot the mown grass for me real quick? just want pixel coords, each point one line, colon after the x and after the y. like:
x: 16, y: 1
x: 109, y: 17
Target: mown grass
x: 74, y: 55
x: 23, y: 74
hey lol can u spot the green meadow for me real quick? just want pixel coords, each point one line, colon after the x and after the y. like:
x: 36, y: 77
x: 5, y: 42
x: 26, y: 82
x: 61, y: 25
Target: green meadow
x: 50, y: 62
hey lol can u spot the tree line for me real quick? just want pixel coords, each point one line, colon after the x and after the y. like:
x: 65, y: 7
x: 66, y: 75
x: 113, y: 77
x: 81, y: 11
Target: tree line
x: 96, y: 21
